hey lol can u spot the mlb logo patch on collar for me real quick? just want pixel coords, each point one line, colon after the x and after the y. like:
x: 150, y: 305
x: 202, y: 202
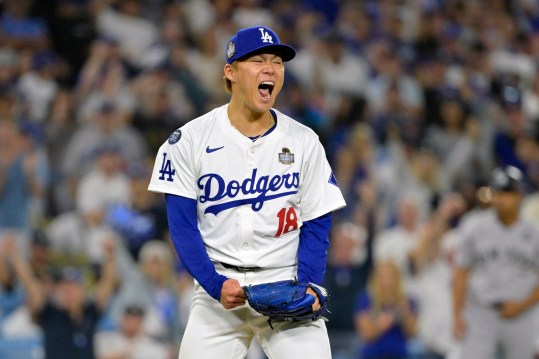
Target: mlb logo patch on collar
x: 286, y: 157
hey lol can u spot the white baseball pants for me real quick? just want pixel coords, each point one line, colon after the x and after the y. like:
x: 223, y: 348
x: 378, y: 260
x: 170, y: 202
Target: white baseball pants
x: 214, y: 332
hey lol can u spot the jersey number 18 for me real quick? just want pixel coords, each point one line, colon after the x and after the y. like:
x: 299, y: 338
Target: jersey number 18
x: 288, y: 221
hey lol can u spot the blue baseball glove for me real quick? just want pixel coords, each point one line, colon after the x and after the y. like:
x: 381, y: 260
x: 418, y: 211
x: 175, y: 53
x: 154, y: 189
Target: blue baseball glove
x: 287, y: 300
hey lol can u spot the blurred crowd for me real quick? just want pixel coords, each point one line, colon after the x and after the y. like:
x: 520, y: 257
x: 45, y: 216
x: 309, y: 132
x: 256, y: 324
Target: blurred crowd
x: 415, y: 102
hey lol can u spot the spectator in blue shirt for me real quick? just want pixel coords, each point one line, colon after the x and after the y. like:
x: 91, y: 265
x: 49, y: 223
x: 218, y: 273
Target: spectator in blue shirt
x: 385, y: 317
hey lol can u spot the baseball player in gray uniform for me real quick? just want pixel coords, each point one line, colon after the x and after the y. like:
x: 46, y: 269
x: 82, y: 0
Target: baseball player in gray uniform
x: 496, y: 280
x: 249, y: 195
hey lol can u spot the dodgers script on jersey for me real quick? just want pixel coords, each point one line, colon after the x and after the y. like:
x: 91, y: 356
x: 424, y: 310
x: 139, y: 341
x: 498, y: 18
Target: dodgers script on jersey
x: 283, y: 180
x: 505, y: 258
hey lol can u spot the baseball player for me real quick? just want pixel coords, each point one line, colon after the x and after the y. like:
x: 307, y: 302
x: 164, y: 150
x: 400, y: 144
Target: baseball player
x: 496, y: 280
x: 249, y: 196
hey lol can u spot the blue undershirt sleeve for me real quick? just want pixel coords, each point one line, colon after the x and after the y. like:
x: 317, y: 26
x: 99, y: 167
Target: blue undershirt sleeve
x: 187, y: 240
x: 313, y: 247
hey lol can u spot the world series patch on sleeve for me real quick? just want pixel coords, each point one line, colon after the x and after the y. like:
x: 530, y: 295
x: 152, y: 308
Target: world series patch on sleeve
x: 287, y: 300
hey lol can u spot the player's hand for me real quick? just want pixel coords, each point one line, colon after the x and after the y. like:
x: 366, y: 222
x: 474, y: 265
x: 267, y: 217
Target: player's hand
x: 232, y: 294
x: 459, y: 327
x: 316, y: 304
x: 510, y: 310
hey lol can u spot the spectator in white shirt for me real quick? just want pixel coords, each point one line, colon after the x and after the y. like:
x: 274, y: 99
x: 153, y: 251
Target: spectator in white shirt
x: 129, y: 341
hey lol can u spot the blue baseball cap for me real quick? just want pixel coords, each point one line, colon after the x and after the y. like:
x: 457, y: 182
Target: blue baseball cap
x: 254, y: 39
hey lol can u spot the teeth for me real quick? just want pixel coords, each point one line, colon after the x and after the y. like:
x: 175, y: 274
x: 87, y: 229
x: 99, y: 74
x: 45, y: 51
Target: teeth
x: 269, y: 83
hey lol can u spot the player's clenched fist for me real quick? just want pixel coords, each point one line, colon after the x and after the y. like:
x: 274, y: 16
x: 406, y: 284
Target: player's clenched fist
x: 232, y: 295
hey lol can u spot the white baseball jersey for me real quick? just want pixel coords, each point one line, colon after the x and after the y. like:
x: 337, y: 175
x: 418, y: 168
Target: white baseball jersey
x: 503, y: 260
x: 252, y: 197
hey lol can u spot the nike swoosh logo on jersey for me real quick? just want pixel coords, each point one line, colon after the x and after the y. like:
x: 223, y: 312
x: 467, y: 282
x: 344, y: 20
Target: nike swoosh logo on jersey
x: 210, y: 150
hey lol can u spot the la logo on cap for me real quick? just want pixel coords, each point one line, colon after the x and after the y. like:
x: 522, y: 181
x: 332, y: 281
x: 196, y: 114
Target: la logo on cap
x: 256, y: 39
x: 265, y: 36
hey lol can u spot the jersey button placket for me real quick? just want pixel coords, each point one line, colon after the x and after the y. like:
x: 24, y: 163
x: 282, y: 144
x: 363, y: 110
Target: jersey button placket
x: 247, y: 227
x: 247, y: 212
x: 250, y: 159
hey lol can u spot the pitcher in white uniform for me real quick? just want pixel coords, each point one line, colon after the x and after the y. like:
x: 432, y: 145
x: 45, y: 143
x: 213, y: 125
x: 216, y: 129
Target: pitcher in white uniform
x: 249, y: 196
x: 496, y: 284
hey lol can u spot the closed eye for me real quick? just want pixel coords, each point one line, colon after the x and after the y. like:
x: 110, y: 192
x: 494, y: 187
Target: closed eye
x: 256, y: 59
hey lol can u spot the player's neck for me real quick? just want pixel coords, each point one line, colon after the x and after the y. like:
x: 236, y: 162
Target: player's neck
x: 250, y: 124
x: 508, y: 218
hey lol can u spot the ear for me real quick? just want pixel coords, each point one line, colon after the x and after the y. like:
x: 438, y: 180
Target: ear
x: 229, y: 72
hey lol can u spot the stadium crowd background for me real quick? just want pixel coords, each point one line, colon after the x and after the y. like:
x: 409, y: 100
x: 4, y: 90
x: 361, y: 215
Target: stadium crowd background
x: 415, y: 101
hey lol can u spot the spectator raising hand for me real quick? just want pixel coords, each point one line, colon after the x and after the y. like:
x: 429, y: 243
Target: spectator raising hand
x: 67, y: 315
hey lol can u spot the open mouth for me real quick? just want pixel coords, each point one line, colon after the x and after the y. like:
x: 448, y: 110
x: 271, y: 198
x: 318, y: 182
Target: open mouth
x: 266, y: 88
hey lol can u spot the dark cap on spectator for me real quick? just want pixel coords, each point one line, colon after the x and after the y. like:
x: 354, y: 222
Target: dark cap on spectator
x: 333, y: 37
x: 106, y: 147
x: 44, y: 59
x: 107, y: 107
x: 40, y: 238
x: 107, y: 39
x: 33, y: 130
x: 69, y: 274
x: 134, y: 309
x: 137, y: 170
x: 254, y: 40
x: 507, y: 179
